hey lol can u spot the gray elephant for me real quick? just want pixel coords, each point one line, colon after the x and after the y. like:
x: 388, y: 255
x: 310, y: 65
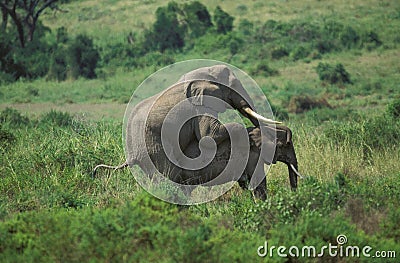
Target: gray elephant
x: 258, y: 156
x: 170, y: 131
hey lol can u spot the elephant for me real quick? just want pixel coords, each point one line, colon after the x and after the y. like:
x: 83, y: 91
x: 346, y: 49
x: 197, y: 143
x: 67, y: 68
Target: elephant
x: 284, y: 152
x: 181, y: 123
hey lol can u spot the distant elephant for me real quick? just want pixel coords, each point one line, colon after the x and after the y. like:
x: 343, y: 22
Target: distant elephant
x: 161, y: 128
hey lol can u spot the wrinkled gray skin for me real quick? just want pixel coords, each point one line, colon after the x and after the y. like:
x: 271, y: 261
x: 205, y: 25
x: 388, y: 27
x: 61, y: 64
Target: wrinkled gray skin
x: 143, y: 133
x: 255, y: 166
x: 144, y: 146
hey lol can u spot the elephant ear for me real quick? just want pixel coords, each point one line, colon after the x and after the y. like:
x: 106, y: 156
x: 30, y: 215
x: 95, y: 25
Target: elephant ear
x: 198, y: 92
x: 194, y: 92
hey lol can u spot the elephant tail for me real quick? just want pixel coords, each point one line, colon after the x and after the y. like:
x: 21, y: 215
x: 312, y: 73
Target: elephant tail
x: 123, y: 165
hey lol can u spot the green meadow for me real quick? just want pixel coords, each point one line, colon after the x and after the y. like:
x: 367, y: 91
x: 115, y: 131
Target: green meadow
x: 331, y: 72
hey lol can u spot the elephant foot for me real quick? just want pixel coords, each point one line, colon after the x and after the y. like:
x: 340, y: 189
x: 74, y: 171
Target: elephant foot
x: 259, y: 194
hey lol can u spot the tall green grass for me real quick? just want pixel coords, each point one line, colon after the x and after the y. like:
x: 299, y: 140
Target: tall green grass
x: 52, y: 210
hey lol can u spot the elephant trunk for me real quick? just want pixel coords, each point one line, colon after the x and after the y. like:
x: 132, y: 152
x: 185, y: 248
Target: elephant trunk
x: 286, y: 153
x: 292, y: 168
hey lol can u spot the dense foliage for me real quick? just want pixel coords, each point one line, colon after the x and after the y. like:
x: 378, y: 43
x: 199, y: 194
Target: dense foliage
x: 180, y: 28
x: 49, y: 197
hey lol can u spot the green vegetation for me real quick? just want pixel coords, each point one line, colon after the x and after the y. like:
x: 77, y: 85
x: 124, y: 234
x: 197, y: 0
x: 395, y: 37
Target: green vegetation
x: 330, y: 71
x: 48, y: 190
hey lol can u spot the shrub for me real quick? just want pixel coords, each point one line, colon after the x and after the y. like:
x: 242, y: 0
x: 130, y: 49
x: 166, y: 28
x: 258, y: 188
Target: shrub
x: 300, y: 52
x: 7, y: 139
x: 302, y: 103
x: 263, y: 69
x: 371, y: 40
x: 62, y: 35
x: 393, y: 109
x: 390, y: 224
x: 166, y: 32
x: 155, y: 58
x: 197, y: 18
x: 58, y: 65
x: 319, y: 115
x: 120, y: 54
x: 10, y: 70
x: 279, y: 52
x: 82, y: 57
x: 245, y: 27
x: 211, y: 41
x: 13, y: 118
x: 333, y: 74
x: 280, y: 113
x: 223, y: 21
x: 234, y: 44
x: 374, y: 132
x: 61, y: 119
x: 349, y: 37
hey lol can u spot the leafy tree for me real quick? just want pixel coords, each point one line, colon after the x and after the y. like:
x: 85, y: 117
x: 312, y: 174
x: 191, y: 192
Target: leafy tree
x: 31, y: 61
x: 223, y: 21
x: 197, y: 18
x: 25, y: 15
x: 58, y: 65
x: 10, y: 70
x: 166, y: 32
x: 82, y: 57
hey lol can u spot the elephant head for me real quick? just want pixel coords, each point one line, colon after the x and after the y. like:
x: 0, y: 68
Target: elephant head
x: 284, y: 148
x: 220, y: 82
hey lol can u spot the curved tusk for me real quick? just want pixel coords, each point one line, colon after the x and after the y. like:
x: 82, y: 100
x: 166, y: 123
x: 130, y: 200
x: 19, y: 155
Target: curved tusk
x: 296, y: 172
x: 259, y: 117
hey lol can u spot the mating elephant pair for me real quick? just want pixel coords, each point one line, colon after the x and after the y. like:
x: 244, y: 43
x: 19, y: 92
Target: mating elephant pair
x: 178, y: 134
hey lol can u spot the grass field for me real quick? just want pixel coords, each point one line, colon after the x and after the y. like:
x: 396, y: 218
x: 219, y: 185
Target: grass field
x: 51, y: 210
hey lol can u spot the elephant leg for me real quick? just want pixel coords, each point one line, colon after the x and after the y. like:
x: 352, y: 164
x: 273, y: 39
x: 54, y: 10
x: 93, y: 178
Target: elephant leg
x: 261, y: 190
x: 256, y: 174
x: 165, y: 167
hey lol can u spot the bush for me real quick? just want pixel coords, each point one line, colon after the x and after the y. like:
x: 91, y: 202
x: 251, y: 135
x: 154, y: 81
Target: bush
x: 10, y: 70
x: 333, y: 74
x: 13, y: 118
x: 349, y: 37
x: 211, y: 41
x: 245, y: 27
x: 57, y: 118
x: 300, y: 52
x: 279, y: 52
x: 302, y: 103
x: 374, y: 132
x: 155, y: 59
x: 393, y: 109
x: 7, y: 139
x: 197, y: 18
x: 82, y: 57
x: 263, y: 69
x: 223, y: 21
x: 280, y: 113
x: 166, y: 32
x: 121, y: 55
x: 58, y: 65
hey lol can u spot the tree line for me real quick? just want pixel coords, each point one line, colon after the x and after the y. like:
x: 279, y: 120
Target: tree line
x: 187, y: 27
